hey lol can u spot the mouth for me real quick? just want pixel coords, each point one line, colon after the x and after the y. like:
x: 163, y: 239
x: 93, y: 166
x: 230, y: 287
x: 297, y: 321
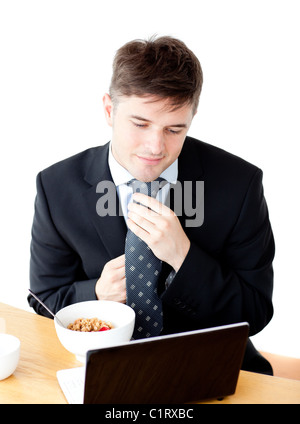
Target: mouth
x: 150, y: 160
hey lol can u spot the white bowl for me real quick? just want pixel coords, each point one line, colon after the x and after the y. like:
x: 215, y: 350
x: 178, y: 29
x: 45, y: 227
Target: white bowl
x: 121, y: 316
x: 9, y: 354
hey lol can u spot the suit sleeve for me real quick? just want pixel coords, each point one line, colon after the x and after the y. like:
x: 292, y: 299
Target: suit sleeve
x: 237, y: 286
x: 55, y: 272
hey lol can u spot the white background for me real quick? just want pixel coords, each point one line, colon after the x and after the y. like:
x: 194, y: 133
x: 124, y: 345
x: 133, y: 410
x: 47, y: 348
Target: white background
x: 56, y: 61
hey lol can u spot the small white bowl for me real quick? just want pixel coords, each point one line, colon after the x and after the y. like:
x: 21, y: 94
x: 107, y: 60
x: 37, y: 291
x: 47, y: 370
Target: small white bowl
x: 9, y: 355
x: 121, y: 316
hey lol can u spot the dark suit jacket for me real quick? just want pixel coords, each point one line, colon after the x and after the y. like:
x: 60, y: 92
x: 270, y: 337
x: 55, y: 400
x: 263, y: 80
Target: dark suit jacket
x: 227, y: 276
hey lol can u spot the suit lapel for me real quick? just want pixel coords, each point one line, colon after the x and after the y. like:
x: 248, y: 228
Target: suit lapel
x: 111, y: 228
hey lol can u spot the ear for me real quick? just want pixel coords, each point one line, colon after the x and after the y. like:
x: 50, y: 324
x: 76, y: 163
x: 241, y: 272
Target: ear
x: 108, y: 109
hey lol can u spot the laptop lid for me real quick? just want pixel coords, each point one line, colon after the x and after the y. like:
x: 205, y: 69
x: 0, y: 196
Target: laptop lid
x: 183, y: 367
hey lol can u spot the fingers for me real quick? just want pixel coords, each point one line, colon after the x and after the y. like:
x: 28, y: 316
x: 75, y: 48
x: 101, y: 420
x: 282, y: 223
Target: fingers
x: 112, y: 284
x: 115, y: 268
x: 150, y: 202
x: 160, y: 228
x: 118, y: 262
x: 143, y: 222
x: 149, y: 211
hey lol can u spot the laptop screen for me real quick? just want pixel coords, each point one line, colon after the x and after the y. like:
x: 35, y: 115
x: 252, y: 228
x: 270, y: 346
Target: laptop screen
x: 176, y: 368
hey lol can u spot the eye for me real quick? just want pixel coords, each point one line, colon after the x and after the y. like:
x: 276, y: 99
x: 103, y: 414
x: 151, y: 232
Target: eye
x: 139, y: 125
x: 173, y: 131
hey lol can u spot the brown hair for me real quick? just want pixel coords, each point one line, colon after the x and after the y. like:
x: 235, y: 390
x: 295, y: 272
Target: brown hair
x: 162, y: 67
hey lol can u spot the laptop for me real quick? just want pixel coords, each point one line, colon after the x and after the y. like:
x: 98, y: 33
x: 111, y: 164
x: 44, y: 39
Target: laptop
x: 177, y: 368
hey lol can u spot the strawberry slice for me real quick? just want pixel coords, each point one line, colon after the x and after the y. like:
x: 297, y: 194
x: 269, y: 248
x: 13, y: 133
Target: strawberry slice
x: 104, y: 328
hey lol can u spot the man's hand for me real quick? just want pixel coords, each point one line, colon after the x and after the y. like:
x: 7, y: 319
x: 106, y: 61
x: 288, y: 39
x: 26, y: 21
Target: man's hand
x: 160, y: 228
x: 112, y: 284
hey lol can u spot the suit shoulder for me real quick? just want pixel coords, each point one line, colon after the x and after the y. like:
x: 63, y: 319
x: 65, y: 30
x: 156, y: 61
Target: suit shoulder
x: 212, y: 157
x: 72, y: 166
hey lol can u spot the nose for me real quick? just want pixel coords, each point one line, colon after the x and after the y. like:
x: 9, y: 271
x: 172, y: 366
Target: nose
x: 155, y: 143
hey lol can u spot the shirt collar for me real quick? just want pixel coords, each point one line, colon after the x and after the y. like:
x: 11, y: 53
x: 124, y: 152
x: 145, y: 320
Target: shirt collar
x: 120, y: 175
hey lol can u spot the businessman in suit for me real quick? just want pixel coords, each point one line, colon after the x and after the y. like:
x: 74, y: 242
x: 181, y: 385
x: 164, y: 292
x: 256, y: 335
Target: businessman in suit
x: 215, y: 271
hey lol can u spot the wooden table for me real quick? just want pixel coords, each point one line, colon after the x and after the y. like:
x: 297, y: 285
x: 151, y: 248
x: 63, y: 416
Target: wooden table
x: 34, y: 380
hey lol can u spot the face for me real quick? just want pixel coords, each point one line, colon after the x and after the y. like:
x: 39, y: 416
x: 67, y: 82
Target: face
x: 147, y: 137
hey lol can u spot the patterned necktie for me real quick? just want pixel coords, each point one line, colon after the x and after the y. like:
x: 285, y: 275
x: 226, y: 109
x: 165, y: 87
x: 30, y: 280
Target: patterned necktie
x: 142, y: 270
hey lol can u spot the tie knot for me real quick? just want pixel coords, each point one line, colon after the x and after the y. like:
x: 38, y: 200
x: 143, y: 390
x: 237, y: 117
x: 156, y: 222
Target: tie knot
x: 150, y: 188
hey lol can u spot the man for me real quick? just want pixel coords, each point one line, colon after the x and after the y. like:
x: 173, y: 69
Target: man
x: 215, y: 271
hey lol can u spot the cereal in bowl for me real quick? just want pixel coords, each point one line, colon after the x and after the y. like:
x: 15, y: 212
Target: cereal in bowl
x: 90, y: 325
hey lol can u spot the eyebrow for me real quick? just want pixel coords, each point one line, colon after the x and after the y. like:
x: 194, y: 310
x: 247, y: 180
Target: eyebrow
x: 139, y: 118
